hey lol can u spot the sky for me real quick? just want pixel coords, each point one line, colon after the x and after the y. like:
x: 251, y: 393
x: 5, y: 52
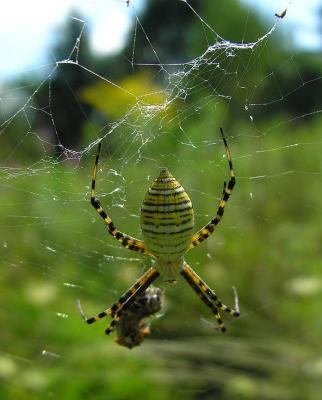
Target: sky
x: 26, y: 26
x: 301, y: 19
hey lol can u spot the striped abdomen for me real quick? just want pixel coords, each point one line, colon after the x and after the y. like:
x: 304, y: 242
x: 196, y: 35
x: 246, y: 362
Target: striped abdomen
x: 167, y: 218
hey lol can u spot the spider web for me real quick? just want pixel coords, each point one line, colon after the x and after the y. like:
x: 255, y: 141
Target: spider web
x: 167, y: 112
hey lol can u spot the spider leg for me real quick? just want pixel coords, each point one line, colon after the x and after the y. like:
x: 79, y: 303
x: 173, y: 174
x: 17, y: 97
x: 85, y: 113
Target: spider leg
x: 208, y: 229
x: 204, y: 298
x: 127, y: 241
x: 208, y: 296
x: 211, y: 294
x: 142, y: 284
x: 129, y: 296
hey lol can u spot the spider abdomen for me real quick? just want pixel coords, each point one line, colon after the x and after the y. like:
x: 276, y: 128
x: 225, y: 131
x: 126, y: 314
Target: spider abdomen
x: 167, y: 218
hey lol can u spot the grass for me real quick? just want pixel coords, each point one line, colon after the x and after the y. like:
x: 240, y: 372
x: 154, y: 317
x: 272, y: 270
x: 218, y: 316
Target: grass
x: 55, y: 250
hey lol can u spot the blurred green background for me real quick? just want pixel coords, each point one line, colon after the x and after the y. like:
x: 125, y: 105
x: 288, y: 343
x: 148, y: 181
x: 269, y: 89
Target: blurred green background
x: 55, y: 249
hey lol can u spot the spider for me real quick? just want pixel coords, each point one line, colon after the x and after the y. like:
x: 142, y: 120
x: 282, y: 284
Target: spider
x: 132, y: 327
x: 167, y: 223
x: 282, y: 14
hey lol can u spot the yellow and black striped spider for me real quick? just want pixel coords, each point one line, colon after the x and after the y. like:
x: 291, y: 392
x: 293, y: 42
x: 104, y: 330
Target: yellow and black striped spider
x: 167, y: 223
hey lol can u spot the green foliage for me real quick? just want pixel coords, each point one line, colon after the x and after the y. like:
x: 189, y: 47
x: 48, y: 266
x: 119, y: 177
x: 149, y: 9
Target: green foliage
x: 268, y: 249
x: 116, y: 99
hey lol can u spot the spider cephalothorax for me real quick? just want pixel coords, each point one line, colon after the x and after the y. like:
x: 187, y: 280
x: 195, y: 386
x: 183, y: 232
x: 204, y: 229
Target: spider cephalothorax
x: 167, y: 223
